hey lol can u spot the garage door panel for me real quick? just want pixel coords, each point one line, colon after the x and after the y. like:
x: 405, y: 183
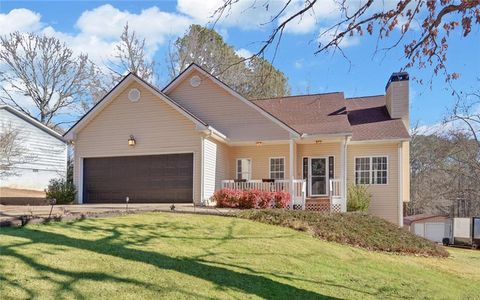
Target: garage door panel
x: 144, y: 179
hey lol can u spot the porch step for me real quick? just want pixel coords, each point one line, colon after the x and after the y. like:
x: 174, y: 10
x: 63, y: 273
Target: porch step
x: 318, y: 204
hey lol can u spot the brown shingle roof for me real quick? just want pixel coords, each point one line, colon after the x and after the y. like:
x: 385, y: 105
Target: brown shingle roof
x: 310, y: 114
x: 366, y: 118
x: 408, y: 220
x: 370, y: 120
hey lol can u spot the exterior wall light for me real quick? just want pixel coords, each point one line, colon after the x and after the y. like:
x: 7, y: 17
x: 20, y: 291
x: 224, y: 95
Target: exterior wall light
x: 258, y: 143
x: 131, y: 141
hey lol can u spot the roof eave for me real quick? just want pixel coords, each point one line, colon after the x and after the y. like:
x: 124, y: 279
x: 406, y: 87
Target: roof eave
x: 71, y: 133
x: 34, y: 122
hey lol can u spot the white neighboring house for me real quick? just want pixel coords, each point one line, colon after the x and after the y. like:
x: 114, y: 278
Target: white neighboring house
x: 44, y: 157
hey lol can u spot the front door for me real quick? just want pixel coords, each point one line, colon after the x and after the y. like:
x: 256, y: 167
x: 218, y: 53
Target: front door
x: 318, y: 176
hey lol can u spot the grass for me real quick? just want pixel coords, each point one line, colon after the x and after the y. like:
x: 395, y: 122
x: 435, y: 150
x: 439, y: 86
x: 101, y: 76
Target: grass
x: 356, y: 229
x: 195, y: 256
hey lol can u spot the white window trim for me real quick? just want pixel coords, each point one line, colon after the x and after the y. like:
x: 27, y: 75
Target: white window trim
x: 371, y: 169
x: 327, y: 177
x: 236, y: 167
x: 270, y: 166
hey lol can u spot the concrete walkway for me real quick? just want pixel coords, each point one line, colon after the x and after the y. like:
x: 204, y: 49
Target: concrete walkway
x: 9, y: 212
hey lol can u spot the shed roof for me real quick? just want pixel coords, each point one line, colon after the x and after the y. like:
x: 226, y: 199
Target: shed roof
x: 408, y: 220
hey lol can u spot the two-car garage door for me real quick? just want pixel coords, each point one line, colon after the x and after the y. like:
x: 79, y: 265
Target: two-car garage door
x: 144, y: 179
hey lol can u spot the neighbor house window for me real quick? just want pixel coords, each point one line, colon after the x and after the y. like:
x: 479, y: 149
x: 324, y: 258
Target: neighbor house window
x: 244, y: 168
x: 277, y: 168
x: 371, y: 170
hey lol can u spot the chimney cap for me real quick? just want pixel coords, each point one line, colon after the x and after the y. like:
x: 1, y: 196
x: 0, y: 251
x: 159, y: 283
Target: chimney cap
x: 397, y: 76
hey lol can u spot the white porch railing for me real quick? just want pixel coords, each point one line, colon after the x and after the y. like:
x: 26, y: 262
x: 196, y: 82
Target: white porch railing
x: 337, y: 200
x: 296, y: 188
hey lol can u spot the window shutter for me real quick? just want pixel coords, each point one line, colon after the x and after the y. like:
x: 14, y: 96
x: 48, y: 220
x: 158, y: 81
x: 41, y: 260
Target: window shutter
x: 331, y: 167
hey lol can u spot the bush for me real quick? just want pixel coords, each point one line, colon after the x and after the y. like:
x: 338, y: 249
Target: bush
x: 230, y: 198
x: 61, y: 190
x: 358, y: 198
x: 355, y: 229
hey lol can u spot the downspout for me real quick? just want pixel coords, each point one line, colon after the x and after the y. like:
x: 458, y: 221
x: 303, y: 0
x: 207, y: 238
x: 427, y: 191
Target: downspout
x: 202, y: 168
x: 400, y: 184
x: 345, y: 170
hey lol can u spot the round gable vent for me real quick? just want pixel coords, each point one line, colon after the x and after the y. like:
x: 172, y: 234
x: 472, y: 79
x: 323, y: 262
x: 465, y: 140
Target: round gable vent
x: 134, y: 95
x: 195, y: 81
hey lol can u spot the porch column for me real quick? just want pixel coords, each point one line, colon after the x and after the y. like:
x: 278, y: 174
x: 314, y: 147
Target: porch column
x: 292, y: 160
x: 291, y: 171
x: 343, y: 165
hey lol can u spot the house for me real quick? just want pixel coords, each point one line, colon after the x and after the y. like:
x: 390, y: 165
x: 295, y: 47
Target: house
x: 430, y: 226
x: 197, y: 135
x: 41, y: 155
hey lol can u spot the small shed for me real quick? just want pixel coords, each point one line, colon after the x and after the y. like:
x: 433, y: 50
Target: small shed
x: 430, y: 226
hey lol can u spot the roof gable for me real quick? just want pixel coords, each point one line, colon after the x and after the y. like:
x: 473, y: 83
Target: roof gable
x: 119, y: 88
x: 219, y: 89
x: 32, y: 121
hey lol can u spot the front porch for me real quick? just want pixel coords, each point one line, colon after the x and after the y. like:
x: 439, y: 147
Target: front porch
x: 297, y: 188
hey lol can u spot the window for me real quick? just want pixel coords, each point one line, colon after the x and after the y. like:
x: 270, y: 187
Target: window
x: 277, y: 168
x: 244, y: 168
x: 379, y: 170
x: 371, y: 170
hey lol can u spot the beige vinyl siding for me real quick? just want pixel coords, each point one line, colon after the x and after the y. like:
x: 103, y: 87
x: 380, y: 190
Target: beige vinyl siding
x: 321, y: 150
x: 385, y: 197
x: 156, y: 126
x: 406, y: 171
x: 215, y: 165
x: 223, y: 164
x: 260, y: 156
x: 225, y: 112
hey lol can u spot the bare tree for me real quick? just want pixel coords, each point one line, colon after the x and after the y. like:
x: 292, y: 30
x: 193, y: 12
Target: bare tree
x: 12, y: 153
x: 445, y: 165
x: 98, y: 86
x: 425, y: 47
x: 46, y: 71
x: 130, y: 56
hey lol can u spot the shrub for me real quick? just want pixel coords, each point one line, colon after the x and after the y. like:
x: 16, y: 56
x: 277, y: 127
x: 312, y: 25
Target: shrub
x: 358, y: 198
x: 281, y: 199
x: 230, y: 198
x: 355, y: 229
x: 61, y: 190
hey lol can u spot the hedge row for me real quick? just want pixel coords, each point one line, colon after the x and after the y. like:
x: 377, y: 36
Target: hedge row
x: 251, y: 199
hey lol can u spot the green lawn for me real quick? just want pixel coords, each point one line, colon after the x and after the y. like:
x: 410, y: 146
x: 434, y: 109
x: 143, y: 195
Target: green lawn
x: 193, y: 256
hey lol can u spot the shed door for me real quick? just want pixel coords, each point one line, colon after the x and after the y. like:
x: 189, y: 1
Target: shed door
x: 144, y: 179
x: 435, y: 231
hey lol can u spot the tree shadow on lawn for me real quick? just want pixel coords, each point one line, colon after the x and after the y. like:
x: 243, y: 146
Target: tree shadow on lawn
x: 222, y: 277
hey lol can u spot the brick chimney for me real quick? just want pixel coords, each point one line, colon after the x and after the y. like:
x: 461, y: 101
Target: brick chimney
x: 397, y: 95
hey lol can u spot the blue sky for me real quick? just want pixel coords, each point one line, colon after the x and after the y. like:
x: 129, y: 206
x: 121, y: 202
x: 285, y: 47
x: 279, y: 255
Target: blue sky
x: 93, y: 27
